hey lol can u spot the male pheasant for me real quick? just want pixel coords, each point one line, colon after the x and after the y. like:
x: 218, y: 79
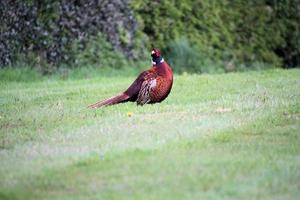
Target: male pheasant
x: 151, y: 86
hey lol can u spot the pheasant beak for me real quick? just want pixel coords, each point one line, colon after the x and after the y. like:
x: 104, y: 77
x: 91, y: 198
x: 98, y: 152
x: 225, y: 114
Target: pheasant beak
x: 152, y: 52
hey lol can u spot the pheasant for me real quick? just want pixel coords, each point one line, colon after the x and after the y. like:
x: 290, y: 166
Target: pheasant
x: 151, y: 86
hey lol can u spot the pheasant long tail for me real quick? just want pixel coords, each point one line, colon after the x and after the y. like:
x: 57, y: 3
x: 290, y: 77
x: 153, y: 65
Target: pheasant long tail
x: 110, y: 101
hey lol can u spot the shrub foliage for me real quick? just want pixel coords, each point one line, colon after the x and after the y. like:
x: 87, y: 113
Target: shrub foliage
x: 197, y: 36
x: 235, y: 32
x: 49, y: 28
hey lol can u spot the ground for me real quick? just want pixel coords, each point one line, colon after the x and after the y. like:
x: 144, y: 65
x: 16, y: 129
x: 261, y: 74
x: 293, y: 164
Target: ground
x: 230, y: 136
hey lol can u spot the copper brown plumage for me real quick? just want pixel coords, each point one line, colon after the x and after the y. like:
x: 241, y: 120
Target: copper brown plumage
x: 151, y: 86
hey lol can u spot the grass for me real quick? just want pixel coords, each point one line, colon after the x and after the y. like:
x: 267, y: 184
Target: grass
x: 230, y: 136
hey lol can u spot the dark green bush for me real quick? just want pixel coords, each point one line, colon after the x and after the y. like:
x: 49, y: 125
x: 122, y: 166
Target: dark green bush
x: 198, y: 36
x: 98, y: 52
x: 183, y: 57
x: 47, y: 29
x: 237, y: 32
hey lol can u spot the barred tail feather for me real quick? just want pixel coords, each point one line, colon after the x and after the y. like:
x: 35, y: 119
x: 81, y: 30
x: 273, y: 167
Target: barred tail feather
x: 110, y: 101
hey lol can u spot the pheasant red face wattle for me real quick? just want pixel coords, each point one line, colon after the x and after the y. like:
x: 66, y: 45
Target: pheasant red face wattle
x: 155, y: 53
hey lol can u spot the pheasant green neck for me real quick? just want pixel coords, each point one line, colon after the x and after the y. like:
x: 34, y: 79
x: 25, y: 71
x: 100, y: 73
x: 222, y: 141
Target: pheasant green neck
x: 156, y: 61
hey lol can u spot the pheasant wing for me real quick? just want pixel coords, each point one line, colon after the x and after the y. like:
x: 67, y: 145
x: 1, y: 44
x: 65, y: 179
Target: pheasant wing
x: 148, y: 84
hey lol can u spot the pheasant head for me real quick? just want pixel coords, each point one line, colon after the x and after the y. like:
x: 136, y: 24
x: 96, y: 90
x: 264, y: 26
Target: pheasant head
x: 156, y: 56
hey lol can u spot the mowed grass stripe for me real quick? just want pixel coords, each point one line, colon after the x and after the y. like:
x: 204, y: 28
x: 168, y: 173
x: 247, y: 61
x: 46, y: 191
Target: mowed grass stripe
x: 255, y: 161
x: 51, y: 134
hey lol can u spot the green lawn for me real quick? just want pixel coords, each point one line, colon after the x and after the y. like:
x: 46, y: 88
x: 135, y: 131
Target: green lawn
x: 230, y: 136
